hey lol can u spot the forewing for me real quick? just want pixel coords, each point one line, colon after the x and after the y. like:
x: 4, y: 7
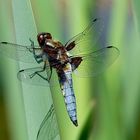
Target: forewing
x: 48, y: 129
x: 28, y: 76
x: 96, y: 62
x: 90, y: 35
x: 19, y: 52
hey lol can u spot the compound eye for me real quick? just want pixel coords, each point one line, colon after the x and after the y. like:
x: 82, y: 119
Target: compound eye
x: 41, y: 39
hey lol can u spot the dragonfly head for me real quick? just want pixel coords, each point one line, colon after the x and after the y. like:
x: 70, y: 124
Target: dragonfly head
x: 41, y: 37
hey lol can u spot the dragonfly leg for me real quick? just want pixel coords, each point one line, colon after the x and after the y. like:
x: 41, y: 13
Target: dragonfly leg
x: 38, y: 73
x: 38, y: 58
x: 32, y: 42
x: 50, y: 75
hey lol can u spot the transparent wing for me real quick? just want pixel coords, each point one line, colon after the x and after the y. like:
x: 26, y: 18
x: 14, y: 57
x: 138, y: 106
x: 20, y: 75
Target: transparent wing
x: 43, y: 78
x: 48, y: 129
x: 90, y: 35
x: 19, y: 52
x: 96, y: 62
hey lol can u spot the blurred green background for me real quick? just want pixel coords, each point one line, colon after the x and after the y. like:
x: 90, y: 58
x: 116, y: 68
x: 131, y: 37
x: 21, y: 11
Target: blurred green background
x: 107, y: 105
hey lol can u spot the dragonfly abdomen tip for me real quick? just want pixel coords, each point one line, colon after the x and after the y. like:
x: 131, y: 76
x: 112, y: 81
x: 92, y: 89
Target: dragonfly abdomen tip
x: 75, y: 122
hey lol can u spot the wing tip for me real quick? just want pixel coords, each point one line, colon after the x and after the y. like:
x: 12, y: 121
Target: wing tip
x: 21, y: 70
x: 95, y: 19
x: 109, y: 46
x: 116, y: 49
x: 4, y: 42
x: 112, y: 47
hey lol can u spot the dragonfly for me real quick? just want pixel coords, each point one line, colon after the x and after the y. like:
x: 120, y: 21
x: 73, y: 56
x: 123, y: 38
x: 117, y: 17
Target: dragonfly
x: 80, y: 55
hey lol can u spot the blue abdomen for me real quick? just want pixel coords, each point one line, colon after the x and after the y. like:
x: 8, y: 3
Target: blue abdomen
x: 65, y: 80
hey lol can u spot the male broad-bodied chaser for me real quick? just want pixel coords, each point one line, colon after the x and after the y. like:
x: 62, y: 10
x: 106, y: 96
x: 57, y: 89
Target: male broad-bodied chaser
x: 79, y: 54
